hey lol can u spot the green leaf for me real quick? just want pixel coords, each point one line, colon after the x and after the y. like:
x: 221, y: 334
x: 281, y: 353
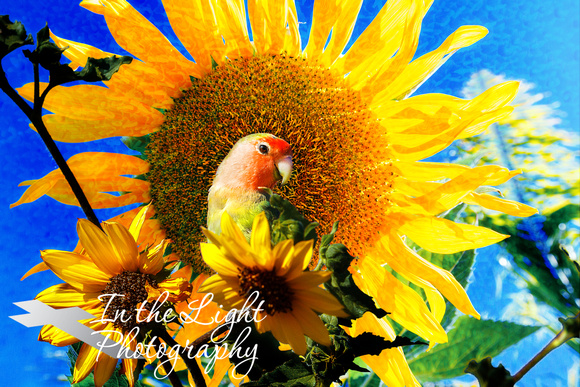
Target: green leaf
x: 488, y: 375
x: 342, y: 286
x: 292, y: 373
x: 138, y: 144
x: 470, y: 339
x: 102, y: 69
x: 524, y: 246
x: 12, y: 36
x: 47, y: 54
x: 287, y: 222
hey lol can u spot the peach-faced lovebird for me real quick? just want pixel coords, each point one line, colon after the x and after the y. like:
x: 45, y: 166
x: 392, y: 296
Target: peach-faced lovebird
x: 255, y: 162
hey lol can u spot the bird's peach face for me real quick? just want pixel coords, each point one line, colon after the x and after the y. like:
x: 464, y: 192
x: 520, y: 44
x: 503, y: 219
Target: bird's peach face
x: 277, y: 155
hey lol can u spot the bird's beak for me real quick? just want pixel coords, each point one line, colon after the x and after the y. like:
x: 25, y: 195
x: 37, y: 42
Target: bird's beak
x: 284, y: 168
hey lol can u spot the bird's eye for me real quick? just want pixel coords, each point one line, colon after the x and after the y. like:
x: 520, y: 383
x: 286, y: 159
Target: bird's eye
x: 263, y: 149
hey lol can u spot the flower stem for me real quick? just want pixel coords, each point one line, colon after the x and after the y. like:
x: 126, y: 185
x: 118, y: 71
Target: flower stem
x: 172, y: 376
x: 565, y: 334
x: 35, y: 116
x: 190, y: 363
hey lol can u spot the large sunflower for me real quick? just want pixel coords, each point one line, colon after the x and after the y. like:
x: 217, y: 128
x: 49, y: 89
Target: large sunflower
x: 109, y: 263
x: 356, y: 132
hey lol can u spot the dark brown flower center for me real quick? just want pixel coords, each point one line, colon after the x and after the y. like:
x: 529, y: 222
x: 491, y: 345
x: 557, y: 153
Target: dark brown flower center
x: 272, y: 289
x: 130, y: 291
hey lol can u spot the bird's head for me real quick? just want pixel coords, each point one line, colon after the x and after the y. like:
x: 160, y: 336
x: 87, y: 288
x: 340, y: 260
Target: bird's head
x: 256, y: 161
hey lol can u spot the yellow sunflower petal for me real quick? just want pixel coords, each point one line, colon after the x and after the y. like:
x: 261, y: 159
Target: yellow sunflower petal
x: 231, y: 17
x: 66, y: 296
x: 392, y: 68
x: 321, y: 301
x: 179, y: 289
x: 449, y: 194
x: 97, y: 173
x: 409, y: 264
x: 81, y: 274
x: 104, y: 368
x: 338, y: 16
x: 390, y: 365
x: 35, y: 269
x: 404, y: 304
x: 191, y: 20
x: 138, y: 221
x: 283, y: 254
x: 268, y: 20
x: 311, y: 324
x: 214, y: 258
x: 509, y: 207
x: 65, y: 129
x: 85, y: 362
x: 124, y: 245
x: 420, y: 69
x: 77, y: 52
x: 56, y: 337
x: 309, y: 280
x: 97, y: 103
x: 446, y: 237
x: 260, y: 241
x: 99, y: 247
x: 427, y: 171
x: 138, y: 36
x: 378, y: 42
x: 290, y: 330
x: 152, y: 261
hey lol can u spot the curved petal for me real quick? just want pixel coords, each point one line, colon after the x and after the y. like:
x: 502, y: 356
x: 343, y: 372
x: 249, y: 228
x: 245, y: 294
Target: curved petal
x: 66, y: 296
x: 97, y: 173
x: 498, y: 204
x: 409, y: 264
x: 391, y: 365
x: 446, y: 237
x: 104, y: 368
x: 85, y: 362
x: 35, y: 269
x: 268, y: 20
x: 123, y: 244
x: 98, y: 246
x: 91, y: 102
x: 138, y: 36
x: 195, y: 24
x: 260, y: 241
x: 404, y: 304
x: 81, y: 274
x: 337, y: 19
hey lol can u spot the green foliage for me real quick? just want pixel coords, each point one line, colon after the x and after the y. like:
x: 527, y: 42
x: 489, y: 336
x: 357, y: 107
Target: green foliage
x: 116, y: 380
x: 13, y: 36
x: 287, y: 222
x: 470, y: 339
x: 342, y: 286
x: 138, y: 144
x: 489, y: 376
x: 544, y: 283
x: 48, y: 55
x: 293, y: 373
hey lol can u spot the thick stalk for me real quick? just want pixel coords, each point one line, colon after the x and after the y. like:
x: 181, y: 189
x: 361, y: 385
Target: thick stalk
x: 172, y: 376
x: 190, y: 363
x: 561, y: 338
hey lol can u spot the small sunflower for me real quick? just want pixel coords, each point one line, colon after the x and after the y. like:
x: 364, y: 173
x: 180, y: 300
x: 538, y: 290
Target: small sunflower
x: 290, y: 297
x: 109, y: 263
